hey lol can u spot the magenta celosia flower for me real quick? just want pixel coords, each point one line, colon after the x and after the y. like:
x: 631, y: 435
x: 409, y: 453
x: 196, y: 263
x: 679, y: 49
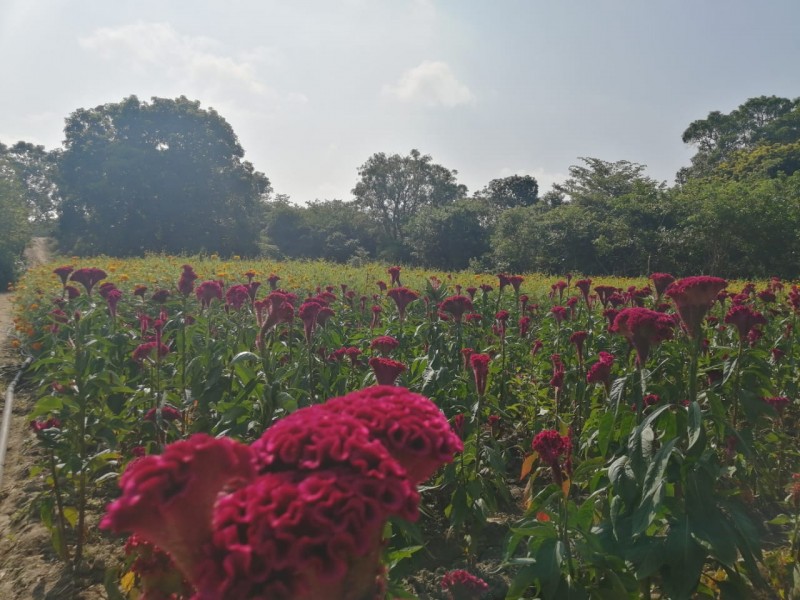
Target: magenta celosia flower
x: 461, y: 585
x: 524, y: 324
x: 88, y: 277
x: 324, y: 314
x: 308, y: 312
x: 503, y: 281
x: 661, y: 281
x: 536, y: 346
x: 402, y: 297
x: 384, y: 344
x: 140, y: 290
x: 72, y: 292
x: 744, y: 319
x: 456, y: 306
x: 551, y: 446
x: 394, y: 273
x: 766, y: 296
x: 643, y: 328
x: 557, y: 380
x: 386, y: 370
x: 168, y: 413
x: 578, y: 338
x: 376, y: 316
x: 779, y: 403
x: 473, y: 318
x: 112, y: 299
x: 63, y: 273
x: 208, y: 291
x: 559, y: 312
x: 693, y: 297
x: 186, y: 280
x: 480, y: 370
x: 299, y: 536
x: 584, y: 286
x: 168, y: 499
x: 273, y: 280
x: 410, y: 426
x: 516, y: 282
x: 472, y: 290
x: 604, y: 292
x: 485, y: 288
x: 39, y: 425
x: 236, y: 296
x: 466, y: 354
x: 600, y: 372
x: 146, y: 350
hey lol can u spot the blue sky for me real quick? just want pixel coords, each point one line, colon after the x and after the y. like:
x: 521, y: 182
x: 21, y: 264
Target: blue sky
x: 314, y: 87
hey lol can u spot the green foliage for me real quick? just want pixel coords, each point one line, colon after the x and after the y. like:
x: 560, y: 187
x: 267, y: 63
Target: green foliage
x: 393, y: 189
x: 14, y: 226
x: 36, y: 167
x: 161, y: 176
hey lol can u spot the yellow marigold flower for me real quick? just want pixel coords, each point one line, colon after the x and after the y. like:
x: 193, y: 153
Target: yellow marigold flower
x: 124, y: 277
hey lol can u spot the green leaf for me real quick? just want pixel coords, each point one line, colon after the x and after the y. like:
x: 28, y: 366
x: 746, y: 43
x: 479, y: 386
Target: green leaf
x: 245, y: 356
x: 695, y: 430
x: 653, y: 491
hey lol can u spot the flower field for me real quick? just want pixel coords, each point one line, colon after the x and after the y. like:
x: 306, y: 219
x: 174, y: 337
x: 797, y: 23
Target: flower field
x: 305, y: 430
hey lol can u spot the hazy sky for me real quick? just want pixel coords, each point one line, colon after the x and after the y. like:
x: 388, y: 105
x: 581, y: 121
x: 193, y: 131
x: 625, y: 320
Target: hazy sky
x: 314, y: 87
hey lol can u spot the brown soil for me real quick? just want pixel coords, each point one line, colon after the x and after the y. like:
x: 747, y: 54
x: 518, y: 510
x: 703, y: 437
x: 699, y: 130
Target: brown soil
x: 29, y: 567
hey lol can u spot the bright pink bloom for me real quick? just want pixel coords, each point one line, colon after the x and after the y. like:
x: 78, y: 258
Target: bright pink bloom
x: 661, y: 281
x: 168, y: 413
x: 643, y: 328
x: 578, y: 338
x: 88, y: 277
x: 551, y: 446
x: 236, y: 296
x: 524, y: 324
x: 516, y: 281
x: 604, y: 292
x: 461, y: 585
x: 168, y: 499
x: 557, y: 380
x: 186, y: 280
x: 112, y: 299
x: 384, y: 344
x: 386, y: 370
x: 456, y: 306
x: 146, y: 350
x: 584, y: 285
x: 208, y: 291
x: 308, y: 312
x: 480, y: 369
x: 402, y: 297
x: 410, y: 426
x: 744, y: 319
x: 394, y: 273
x: 600, y: 372
x: 693, y: 297
x: 559, y: 312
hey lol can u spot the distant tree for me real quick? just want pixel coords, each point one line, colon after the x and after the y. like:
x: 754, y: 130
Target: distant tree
x: 36, y: 169
x: 14, y: 224
x: 393, y: 189
x: 718, y: 137
x: 509, y: 192
x: 448, y: 237
x: 160, y: 176
x: 598, y: 181
x: 330, y: 229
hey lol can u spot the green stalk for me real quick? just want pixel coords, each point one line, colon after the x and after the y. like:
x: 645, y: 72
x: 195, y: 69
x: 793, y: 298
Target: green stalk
x: 62, y: 530
x: 736, y: 384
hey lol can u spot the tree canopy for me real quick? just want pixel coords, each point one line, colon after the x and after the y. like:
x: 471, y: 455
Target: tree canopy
x: 14, y: 225
x: 160, y: 176
x: 393, y: 188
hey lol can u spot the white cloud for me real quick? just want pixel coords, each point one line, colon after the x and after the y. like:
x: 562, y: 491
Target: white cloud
x: 432, y: 83
x: 544, y: 178
x: 195, y: 62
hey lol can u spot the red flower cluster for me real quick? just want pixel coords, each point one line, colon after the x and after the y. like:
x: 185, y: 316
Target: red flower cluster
x: 384, y: 344
x: 402, y: 297
x: 551, y: 446
x: 693, y: 297
x: 456, y: 306
x: 600, y: 372
x: 394, y: 273
x: 480, y: 369
x: 88, y: 277
x: 300, y: 513
x: 208, y: 291
x: 237, y: 295
x: 744, y: 319
x: 462, y: 585
x: 386, y: 370
x: 63, y: 273
x: 643, y: 328
x: 186, y: 280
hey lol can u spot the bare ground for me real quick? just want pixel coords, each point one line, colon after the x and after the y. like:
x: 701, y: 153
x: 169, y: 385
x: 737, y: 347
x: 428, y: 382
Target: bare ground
x: 29, y: 567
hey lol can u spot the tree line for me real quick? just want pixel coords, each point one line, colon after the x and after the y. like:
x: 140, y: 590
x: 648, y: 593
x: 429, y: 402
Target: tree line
x: 169, y: 176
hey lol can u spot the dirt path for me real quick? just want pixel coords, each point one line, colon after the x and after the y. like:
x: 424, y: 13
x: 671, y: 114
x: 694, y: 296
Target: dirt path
x: 29, y: 569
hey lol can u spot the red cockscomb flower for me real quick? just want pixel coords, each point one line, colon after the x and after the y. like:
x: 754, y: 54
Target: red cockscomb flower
x: 461, y: 585
x: 236, y: 296
x: 208, y: 291
x: 386, y: 370
x: 744, y: 319
x: 63, y: 273
x: 402, y: 297
x: 456, y: 306
x: 600, y: 372
x: 551, y: 446
x: 394, y: 273
x: 578, y: 338
x: 643, y: 328
x: 480, y: 370
x: 661, y: 281
x: 88, y: 277
x: 186, y: 280
x: 693, y: 297
x: 384, y: 344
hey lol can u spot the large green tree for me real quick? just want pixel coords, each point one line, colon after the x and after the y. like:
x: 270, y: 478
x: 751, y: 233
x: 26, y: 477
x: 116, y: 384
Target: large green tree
x: 508, y: 192
x: 719, y: 138
x: 14, y: 224
x: 393, y: 189
x: 164, y: 175
x: 35, y: 169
